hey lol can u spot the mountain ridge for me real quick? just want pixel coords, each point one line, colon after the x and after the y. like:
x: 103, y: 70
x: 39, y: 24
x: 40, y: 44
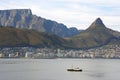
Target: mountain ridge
x: 31, y: 26
x: 23, y: 18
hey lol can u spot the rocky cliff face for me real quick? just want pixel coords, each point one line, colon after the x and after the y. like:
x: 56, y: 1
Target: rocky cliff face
x: 23, y: 18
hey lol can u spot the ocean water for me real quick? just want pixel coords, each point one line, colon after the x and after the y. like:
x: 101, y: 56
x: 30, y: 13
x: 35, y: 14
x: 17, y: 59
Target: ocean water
x: 56, y: 69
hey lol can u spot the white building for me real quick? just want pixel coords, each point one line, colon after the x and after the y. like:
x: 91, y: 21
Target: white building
x: 1, y: 55
x: 28, y: 54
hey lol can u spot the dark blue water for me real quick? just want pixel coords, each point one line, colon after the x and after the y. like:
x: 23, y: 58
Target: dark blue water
x: 55, y: 69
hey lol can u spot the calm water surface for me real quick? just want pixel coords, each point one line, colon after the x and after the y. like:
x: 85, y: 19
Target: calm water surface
x: 55, y: 69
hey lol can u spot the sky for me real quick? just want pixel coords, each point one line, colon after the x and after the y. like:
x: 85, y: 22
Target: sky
x: 72, y: 13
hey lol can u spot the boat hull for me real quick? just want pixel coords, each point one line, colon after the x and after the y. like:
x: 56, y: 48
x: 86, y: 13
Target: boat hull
x: 75, y: 70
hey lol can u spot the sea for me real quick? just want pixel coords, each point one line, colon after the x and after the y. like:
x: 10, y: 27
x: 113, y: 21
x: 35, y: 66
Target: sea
x: 56, y: 69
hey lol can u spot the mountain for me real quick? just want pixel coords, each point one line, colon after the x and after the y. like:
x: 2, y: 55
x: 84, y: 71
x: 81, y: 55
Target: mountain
x: 23, y: 18
x: 12, y: 37
x: 96, y: 35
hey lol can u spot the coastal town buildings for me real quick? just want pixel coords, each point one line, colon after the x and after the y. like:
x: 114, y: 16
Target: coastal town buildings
x: 108, y: 51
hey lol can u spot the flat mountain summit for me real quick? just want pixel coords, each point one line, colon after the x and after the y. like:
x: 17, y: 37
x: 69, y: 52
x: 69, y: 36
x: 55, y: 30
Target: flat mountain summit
x: 24, y: 19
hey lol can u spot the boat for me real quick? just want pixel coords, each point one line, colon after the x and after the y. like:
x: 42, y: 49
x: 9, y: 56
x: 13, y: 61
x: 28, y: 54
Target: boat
x: 75, y: 69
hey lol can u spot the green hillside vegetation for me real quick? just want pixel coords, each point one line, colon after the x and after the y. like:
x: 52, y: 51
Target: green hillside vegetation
x: 23, y: 37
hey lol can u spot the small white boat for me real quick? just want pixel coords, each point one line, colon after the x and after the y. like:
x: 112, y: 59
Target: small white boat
x: 75, y: 69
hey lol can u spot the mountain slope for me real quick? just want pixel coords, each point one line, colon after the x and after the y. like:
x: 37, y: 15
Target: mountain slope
x: 10, y: 37
x: 96, y: 35
x: 23, y: 18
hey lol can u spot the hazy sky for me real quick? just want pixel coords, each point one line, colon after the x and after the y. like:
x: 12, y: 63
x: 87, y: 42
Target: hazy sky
x: 72, y: 13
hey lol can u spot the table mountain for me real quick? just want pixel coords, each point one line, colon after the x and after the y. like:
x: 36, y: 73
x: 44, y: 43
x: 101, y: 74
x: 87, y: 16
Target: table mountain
x: 23, y: 18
